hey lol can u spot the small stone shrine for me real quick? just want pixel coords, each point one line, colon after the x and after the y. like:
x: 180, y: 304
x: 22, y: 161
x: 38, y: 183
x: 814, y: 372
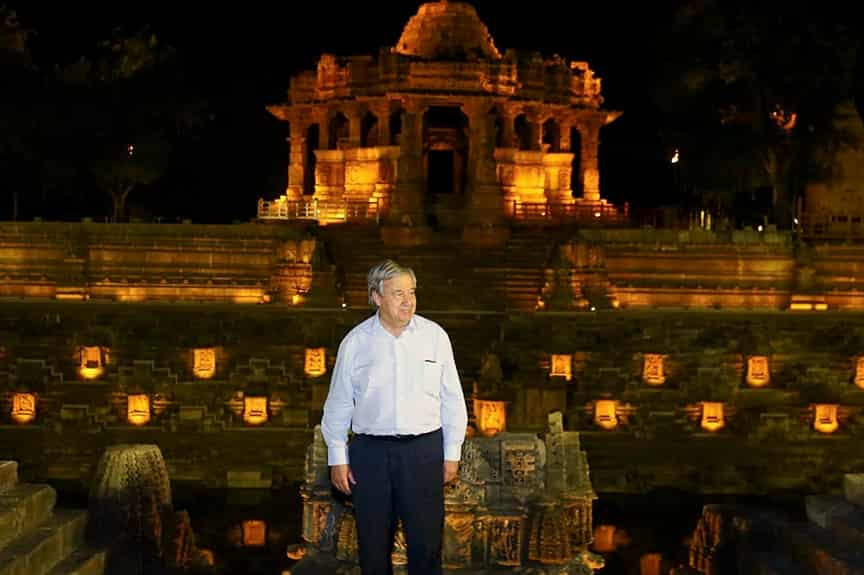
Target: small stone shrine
x: 521, y: 504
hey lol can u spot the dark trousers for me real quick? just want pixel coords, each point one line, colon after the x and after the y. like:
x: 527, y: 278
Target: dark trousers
x: 398, y: 478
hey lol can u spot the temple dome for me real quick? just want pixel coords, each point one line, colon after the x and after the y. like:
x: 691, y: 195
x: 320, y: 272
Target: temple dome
x: 447, y: 31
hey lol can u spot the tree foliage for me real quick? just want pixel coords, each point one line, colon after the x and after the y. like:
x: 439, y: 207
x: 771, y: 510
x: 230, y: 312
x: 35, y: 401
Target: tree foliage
x: 749, y: 91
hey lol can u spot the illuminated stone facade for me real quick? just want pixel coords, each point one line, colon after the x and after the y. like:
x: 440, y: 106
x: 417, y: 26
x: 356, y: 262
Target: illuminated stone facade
x: 441, y: 122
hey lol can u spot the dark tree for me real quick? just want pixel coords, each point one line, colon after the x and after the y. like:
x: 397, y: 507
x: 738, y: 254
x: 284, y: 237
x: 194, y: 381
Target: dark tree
x: 749, y: 91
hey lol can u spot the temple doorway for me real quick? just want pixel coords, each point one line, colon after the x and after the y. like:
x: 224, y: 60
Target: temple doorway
x: 445, y: 159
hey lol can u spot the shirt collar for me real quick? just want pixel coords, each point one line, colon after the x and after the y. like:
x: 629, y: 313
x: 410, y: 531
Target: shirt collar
x: 376, y: 324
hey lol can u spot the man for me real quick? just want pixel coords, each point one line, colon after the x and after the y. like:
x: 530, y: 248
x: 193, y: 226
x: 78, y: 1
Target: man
x: 395, y: 384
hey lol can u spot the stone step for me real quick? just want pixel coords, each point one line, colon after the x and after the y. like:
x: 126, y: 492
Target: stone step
x: 84, y: 561
x: 8, y: 475
x: 22, y: 508
x: 39, y: 551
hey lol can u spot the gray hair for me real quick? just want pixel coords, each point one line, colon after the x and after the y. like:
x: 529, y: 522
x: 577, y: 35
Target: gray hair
x: 383, y: 271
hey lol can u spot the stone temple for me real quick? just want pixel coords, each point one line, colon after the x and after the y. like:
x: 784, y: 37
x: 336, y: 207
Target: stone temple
x: 443, y: 128
x: 705, y: 359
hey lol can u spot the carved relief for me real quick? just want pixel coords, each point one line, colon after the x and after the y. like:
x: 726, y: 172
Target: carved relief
x: 505, y: 540
x: 458, y: 533
x: 519, y: 465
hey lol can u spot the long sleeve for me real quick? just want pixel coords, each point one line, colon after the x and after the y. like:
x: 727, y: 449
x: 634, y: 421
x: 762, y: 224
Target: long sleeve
x: 339, y: 407
x: 454, y: 416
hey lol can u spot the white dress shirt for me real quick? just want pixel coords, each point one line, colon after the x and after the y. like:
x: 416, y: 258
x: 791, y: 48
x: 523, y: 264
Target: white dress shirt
x: 387, y: 385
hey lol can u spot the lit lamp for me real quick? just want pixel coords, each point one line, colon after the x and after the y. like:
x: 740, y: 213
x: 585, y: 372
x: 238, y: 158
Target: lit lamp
x: 652, y: 369
x: 758, y: 374
x: 491, y: 416
x: 315, y: 364
x: 254, y: 533
x: 825, y: 418
x: 255, y: 410
x: 712, y: 416
x: 562, y: 366
x: 92, y: 365
x: 859, y: 372
x: 604, y: 414
x: 138, y: 409
x: 204, y: 362
x: 23, y: 407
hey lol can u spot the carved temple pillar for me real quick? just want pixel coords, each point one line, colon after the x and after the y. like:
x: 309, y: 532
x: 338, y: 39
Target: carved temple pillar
x: 565, y: 141
x: 382, y: 113
x: 355, y: 126
x: 485, y: 207
x: 508, y: 133
x: 535, y: 130
x: 589, y: 165
x: 407, y: 203
x: 296, y: 157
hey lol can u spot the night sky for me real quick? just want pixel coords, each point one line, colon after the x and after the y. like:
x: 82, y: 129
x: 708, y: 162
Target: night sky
x: 241, y: 57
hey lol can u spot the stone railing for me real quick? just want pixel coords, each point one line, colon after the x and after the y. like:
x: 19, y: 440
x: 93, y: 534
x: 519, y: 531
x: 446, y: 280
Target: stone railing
x: 591, y: 213
x: 325, y: 211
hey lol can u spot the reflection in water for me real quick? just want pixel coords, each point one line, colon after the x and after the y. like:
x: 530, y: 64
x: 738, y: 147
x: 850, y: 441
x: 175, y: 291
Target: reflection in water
x: 652, y: 534
x: 248, y: 532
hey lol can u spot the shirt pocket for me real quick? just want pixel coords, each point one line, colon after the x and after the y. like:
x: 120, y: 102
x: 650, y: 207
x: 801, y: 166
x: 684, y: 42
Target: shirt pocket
x: 432, y: 378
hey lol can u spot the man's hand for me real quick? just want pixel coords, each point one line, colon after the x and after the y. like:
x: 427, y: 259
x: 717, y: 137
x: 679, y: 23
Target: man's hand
x: 451, y: 470
x: 342, y: 478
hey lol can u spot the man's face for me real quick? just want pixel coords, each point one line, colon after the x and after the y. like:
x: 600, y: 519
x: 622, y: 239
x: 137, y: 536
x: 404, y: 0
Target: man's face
x: 399, y: 301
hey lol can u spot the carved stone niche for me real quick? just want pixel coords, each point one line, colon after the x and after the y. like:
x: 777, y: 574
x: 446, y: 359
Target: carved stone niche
x: 505, y: 539
x: 23, y: 407
x: 315, y: 364
x: 254, y: 533
x: 491, y: 416
x: 204, y: 362
x: 859, y: 371
x: 605, y: 415
x: 561, y: 365
x: 712, y: 416
x: 758, y: 371
x: 653, y: 372
x: 138, y: 409
x: 825, y: 418
x: 255, y: 409
x: 93, y: 359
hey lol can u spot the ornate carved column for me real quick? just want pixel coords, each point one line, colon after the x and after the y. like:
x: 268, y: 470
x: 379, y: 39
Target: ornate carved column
x: 382, y: 113
x: 407, y: 203
x: 507, y: 132
x: 296, y: 156
x: 484, y: 200
x: 566, y: 143
x: 589, y: 133
x: 355, y: 126
x: 535, y: 126
x: 483, y: 222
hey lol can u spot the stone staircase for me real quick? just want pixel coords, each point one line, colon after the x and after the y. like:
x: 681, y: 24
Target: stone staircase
x: 36, y: 539
x: 452, y: 276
